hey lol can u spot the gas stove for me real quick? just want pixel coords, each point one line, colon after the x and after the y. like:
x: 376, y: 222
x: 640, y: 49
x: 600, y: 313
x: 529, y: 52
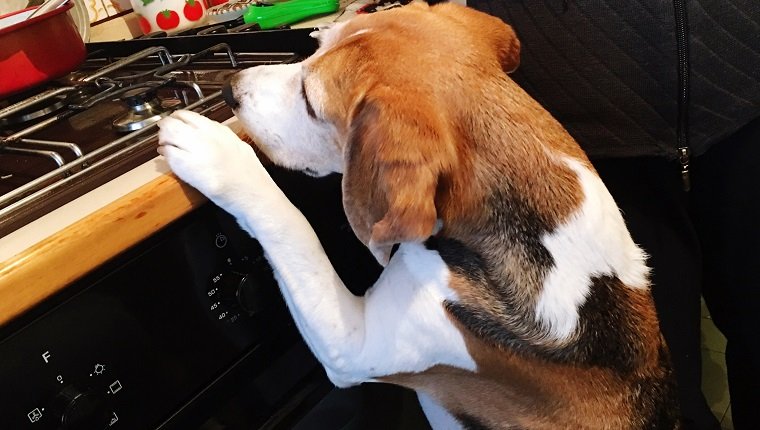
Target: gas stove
x: 69, y: 136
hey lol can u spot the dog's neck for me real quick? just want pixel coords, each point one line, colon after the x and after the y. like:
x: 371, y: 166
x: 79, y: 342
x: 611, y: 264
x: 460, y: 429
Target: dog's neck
x: 509, y: 145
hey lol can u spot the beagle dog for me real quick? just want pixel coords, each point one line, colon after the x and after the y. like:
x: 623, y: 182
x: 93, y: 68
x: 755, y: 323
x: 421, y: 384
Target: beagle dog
x: 512, y: 294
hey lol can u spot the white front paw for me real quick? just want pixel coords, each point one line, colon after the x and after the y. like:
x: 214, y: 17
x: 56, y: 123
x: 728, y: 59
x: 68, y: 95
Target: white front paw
x: 207, y: 155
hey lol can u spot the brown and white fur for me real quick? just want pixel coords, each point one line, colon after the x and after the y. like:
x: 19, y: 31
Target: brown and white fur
x: 516, y: 298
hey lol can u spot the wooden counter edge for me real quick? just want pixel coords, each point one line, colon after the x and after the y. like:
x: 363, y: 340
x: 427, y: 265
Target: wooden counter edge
x: 47, y: 267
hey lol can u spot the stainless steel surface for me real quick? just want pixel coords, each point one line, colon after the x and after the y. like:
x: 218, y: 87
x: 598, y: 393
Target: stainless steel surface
x: 56, y: 157
x: 23, y: 147
x: 73, y: 147
x: 45, y: 7
x: 150, y: 113
x: 34, y: 112
x: 163, y: 54
x: 144, y: 109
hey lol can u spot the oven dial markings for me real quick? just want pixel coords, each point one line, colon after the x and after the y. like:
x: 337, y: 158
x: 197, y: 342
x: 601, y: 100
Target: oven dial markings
x: 114, y: 387
x: 233, y: 294
x: 220, y: 240
x: 98, y: 369
x: 35, y: 414
x: 114, y: 419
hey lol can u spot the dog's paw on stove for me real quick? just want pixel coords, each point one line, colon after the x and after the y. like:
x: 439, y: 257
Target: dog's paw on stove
x: 206, y: 154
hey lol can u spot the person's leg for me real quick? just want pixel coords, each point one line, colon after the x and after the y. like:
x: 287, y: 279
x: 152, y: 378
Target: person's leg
x: 727, y: 213
x: 649, y: 193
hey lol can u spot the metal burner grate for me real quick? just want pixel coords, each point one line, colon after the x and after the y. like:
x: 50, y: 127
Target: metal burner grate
x: 76, y: 134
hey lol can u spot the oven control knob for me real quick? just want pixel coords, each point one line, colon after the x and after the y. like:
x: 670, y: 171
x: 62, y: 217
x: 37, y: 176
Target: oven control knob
x: 81, y: 409
x: 247, y: 292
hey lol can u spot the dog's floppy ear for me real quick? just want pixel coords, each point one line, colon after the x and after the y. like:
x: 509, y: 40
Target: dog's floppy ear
x: 491, y: 31
x: 506, y: 43
x: 396, y: 153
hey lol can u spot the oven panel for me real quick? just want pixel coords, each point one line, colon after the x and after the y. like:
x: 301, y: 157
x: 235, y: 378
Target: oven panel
x: 149, y: 335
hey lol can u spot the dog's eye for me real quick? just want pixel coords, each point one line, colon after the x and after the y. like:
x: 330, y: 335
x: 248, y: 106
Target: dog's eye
x: 309, y: 107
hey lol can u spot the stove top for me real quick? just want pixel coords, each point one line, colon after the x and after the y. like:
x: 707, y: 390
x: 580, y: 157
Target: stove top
x: 67, y: 137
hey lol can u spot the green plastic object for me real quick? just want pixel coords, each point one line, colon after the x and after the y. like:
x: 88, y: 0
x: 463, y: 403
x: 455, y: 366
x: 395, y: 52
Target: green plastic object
x: 269, y: 16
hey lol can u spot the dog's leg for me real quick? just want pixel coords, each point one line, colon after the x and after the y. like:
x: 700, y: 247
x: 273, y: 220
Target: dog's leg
x: 400, y: 324
x: 437, y: 416
x: 211, y: 158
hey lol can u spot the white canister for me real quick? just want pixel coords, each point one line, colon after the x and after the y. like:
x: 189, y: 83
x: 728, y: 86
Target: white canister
x: 170, y: 16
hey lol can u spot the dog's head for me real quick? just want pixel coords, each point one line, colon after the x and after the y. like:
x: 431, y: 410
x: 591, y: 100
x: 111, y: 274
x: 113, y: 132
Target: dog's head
x: 379, y: 102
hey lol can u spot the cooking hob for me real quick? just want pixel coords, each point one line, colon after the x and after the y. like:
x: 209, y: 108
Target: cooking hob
x: 69, y: 136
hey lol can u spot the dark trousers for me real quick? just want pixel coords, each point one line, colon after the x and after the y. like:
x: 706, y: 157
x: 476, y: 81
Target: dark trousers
x: 706, y: 241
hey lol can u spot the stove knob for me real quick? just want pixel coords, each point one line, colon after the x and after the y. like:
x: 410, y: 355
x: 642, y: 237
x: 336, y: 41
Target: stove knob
x: 81, y: 409
x: 247, y: 292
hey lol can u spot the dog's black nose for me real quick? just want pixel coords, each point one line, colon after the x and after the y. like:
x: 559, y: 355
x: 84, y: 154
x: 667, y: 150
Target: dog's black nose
x: 228, y: 96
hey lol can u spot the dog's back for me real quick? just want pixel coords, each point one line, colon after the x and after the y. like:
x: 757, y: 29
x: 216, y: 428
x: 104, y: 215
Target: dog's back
x: 553, y: 294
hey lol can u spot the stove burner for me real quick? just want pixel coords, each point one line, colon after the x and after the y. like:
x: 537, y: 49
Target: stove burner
x: 39, y: 110
x: 44, y: 105
x: 144, y: 109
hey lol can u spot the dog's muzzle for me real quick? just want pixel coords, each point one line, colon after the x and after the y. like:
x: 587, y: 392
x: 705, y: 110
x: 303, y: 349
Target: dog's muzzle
x: 228, y: 96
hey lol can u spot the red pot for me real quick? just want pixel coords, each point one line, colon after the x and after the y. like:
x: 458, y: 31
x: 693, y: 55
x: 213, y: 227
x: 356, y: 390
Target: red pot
x: 33, y: 51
